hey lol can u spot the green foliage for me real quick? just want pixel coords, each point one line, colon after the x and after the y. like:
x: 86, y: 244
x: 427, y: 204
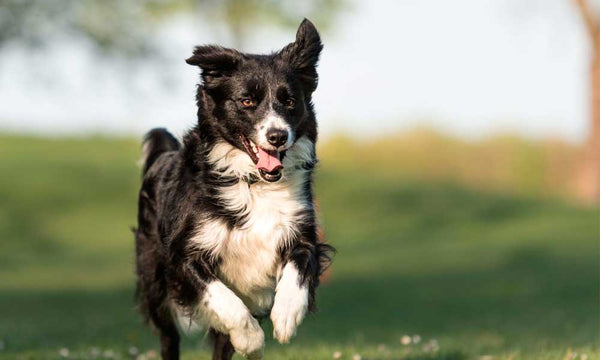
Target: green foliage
x: 480, y: 273
x: 241, y: 15
x: 127, y: 28
x: 122, y: 28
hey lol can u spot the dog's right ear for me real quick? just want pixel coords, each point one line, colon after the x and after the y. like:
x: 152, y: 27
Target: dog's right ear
x: 215, y: 61
x: 303, y: 54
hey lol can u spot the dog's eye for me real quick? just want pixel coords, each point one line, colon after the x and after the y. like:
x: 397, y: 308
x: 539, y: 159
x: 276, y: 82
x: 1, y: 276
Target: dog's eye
x: 247, y: 102
x: 290, y: 102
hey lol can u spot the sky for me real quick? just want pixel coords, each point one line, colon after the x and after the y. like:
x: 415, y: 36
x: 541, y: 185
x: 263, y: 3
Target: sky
x: 471, y: 68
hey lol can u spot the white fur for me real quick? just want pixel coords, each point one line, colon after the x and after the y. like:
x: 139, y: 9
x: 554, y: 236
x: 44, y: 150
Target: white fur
x: 273, y: 121
x: 248, y: 262
x: 290, y: 306
x: 189, y: 325
x: 145, y: 154
x: 231, y: 161
x: 225, y: 312
x: 302, y: 152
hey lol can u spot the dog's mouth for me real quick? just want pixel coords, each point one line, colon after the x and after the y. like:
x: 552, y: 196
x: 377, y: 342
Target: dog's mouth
x: 268, y: 162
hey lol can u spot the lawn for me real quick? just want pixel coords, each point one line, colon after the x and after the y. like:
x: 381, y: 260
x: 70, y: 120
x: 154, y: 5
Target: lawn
x: 466, y: 274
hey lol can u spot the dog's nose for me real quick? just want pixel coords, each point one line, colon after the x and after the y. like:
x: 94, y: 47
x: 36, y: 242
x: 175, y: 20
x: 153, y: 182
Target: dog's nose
x: 277, y: 137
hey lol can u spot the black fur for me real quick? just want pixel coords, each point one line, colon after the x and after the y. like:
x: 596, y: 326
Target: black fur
x: 156, y: 142
x: 180, y: 185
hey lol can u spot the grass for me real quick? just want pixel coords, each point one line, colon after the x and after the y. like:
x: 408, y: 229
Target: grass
x: 504, y: 163
x: 477, y: 275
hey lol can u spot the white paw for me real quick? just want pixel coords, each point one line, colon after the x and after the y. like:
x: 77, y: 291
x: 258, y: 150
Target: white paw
x: 224, y: 311
x: 248, y: 339
x: 290, y: 305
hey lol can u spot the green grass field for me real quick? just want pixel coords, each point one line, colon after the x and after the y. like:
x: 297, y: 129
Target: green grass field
x: 476, y: 275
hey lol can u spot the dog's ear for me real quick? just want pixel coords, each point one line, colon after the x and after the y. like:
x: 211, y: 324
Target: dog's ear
x: 215, y: 61
x: 303, y: 54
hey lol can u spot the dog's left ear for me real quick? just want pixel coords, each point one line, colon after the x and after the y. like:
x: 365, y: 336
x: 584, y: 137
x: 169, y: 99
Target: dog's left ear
x: 215, y: 61
x: 303, y: 54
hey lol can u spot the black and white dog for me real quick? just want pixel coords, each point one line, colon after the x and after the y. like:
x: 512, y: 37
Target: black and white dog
x: 226, y: 224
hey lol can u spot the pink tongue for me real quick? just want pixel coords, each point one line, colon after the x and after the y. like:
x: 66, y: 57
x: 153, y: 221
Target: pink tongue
x: 268, y: 160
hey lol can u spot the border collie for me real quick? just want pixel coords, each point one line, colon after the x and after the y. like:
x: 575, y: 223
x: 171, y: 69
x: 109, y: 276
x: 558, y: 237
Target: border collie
x: 226, y: 231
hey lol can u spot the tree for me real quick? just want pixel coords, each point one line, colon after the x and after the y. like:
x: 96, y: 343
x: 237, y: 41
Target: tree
x: 241, y: 15
x: 587, y: 180
x: 126, y: 28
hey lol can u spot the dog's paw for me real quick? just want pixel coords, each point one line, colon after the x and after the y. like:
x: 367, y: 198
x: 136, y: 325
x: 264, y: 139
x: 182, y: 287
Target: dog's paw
x: 286, y: 316
x: 289, y: 307
x: 248, y: 340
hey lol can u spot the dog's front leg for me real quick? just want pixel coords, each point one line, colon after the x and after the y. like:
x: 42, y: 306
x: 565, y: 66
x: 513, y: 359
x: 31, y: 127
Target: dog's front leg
x: 290, y: 304
x: 225, y: 312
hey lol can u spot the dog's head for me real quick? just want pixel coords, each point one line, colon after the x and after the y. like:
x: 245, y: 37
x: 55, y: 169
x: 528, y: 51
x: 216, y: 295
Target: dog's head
x: 261, y: 104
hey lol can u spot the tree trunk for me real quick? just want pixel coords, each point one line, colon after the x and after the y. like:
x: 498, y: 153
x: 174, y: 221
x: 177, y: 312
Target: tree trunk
x: 587, y: 179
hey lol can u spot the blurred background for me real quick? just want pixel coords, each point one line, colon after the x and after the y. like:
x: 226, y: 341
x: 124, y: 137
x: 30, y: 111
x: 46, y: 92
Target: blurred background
x: 459, y: 176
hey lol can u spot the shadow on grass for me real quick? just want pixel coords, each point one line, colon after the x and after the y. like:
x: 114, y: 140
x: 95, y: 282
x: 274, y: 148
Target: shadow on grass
x: 532, y: 300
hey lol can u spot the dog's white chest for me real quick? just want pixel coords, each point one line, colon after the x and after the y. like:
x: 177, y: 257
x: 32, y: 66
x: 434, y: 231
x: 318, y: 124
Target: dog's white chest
x: 249, y: 255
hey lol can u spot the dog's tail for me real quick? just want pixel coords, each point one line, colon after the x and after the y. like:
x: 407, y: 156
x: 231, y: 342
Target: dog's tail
x: 156, y: 142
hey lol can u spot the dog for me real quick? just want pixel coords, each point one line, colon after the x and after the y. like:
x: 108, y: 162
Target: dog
x: 227, y: 234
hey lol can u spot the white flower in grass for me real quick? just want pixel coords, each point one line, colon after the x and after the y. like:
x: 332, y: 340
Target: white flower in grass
x: 133, y: 351
x: 405, y: 340
x: 64, y: 352
x: 570, y: 355
x: 431, y: 346
x: 95, y: 352
x: 356, y: 357
x: 416, y: 339
x: 109, y: 354
x: 337, y: 354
